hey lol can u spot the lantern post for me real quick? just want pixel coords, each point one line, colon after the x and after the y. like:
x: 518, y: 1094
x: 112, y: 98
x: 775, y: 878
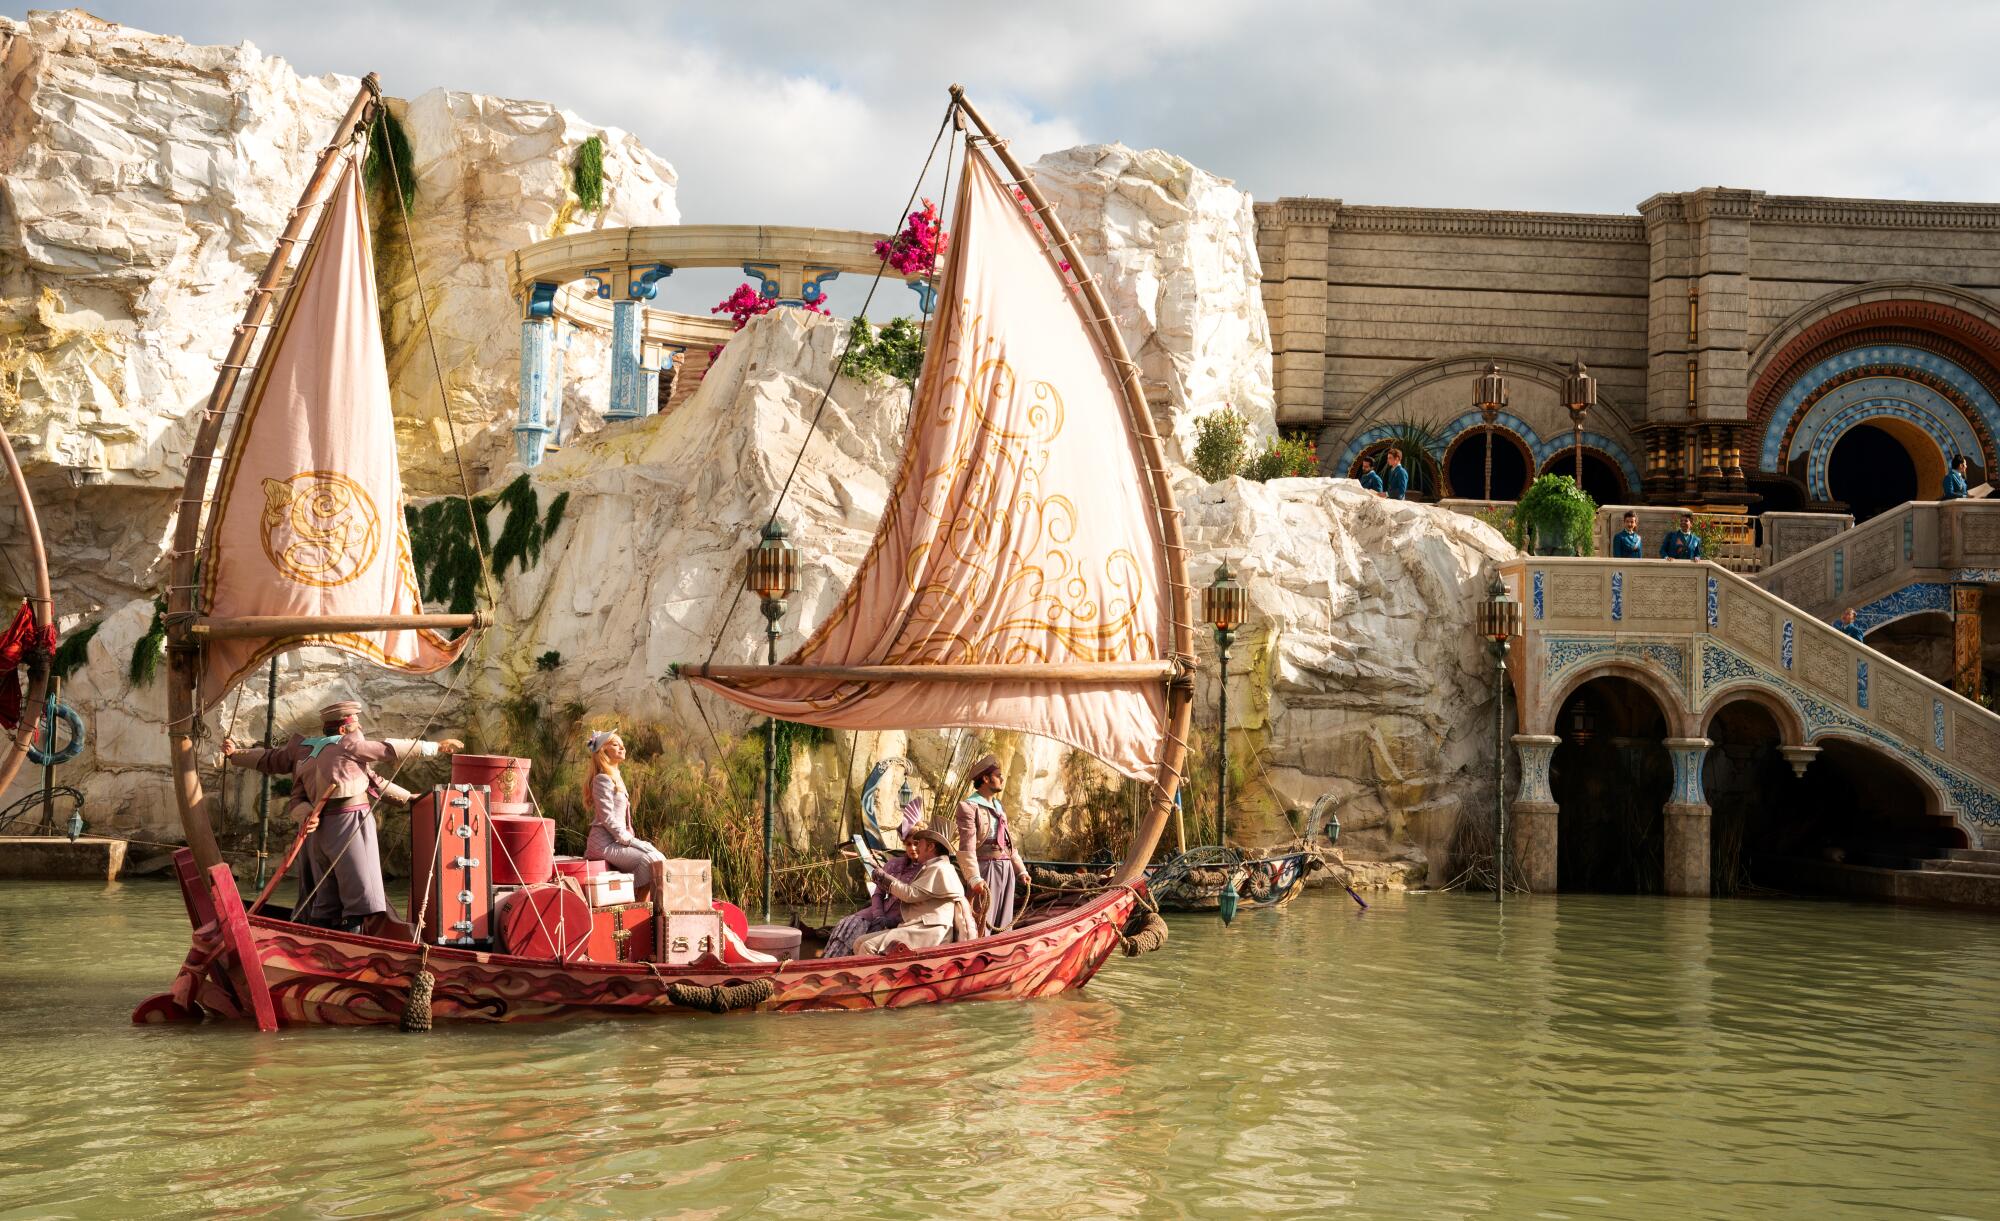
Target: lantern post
x: 1490, y: 398
x: 773, y: 575
x: 1499, y: 620
x: 1579, y: 396
x: 1222, y: 606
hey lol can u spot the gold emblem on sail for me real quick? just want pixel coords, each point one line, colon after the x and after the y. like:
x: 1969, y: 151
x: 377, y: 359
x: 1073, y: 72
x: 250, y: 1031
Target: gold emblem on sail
x: 319, y: 528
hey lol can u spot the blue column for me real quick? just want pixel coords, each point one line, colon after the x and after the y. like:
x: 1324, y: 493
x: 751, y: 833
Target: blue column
x: 625, y: 381
x: 561, y: 346
x: 533, y: 428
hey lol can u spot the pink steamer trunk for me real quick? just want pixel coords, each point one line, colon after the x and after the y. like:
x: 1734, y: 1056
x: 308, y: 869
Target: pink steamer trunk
x: 506, y: 775
x: 524, y: 849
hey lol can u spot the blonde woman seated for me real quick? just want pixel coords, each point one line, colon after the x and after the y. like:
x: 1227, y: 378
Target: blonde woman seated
x: 611, y: 838
x: 933, y: 901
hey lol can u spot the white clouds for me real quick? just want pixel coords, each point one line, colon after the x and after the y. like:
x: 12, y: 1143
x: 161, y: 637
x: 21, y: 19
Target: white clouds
x: 820, y: 114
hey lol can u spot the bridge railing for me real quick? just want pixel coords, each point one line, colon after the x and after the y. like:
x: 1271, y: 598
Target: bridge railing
x: 1697, y: 629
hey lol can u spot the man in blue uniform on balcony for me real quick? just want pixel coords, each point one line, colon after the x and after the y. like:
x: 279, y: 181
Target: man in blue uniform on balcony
x: 1954, y: 480
x: 1682, y: 544
x: 1370, y: 481
x: 1625, y: 544
x: 1395, y: 480
x: 1848, y: 627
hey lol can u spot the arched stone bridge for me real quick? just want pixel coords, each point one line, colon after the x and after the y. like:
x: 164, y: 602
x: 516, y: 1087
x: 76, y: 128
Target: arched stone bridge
x: 1698, y: 638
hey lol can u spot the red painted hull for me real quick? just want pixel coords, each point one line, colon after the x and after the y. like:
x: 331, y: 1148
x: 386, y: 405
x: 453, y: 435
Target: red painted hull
x: 319, y: 977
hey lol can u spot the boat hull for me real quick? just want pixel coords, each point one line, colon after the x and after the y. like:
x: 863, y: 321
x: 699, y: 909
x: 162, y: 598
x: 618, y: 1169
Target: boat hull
x: 320, y: 977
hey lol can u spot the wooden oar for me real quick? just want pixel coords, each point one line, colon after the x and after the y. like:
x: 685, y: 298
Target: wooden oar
x: 306, y: 826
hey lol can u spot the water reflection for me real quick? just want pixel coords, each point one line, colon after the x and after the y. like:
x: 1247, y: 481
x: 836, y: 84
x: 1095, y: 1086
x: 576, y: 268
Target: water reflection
x: 1601, y: 1057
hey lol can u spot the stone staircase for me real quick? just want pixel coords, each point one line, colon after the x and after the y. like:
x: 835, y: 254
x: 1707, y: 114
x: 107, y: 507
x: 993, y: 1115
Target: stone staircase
x: 1697, y: 636
x: 1900, y: 563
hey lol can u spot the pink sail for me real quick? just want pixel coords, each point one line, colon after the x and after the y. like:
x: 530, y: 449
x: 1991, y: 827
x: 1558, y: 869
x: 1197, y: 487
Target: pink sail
x: 1019, y: 531
x: 309, y: 514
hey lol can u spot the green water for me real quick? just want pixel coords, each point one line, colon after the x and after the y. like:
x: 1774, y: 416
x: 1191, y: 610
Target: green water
x: 1576, y: 1057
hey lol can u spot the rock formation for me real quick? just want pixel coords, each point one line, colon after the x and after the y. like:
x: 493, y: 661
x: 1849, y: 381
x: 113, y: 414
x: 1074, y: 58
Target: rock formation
x: 144, y: 181
x: 1175, y: 250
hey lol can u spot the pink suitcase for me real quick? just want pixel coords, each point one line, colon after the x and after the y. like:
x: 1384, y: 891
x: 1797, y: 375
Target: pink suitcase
x: 686, y: 886
x: 689, y: 937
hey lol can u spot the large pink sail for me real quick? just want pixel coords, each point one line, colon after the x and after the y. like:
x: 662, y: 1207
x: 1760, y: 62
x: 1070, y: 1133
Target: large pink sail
x: 309, y: 513
x: 1019, y: 529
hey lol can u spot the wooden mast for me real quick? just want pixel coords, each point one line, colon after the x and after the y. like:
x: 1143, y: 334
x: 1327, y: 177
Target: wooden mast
x: 183, y: 645
x: 45, y: 617
x: 1139, y: 418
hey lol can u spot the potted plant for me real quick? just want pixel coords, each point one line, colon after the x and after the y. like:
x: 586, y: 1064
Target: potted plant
x: 1555, y: 517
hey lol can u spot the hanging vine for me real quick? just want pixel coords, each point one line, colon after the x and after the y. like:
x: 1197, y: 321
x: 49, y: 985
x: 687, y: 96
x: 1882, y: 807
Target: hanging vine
x: 587, y: 174
x: 73, y: 651
x: 445, y: 552
x: 150, y: 649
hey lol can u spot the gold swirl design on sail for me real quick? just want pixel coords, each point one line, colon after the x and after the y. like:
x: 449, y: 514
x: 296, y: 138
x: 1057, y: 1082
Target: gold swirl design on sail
x: 1004, y: 521
x: 319, y: 528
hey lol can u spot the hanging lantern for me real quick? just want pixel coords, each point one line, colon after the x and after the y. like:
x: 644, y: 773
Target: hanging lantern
x: 773, y: 574
x: 1582, y: 724
x: 1490, y: 398
x: 1499, y: 616
x: 1579, y: 391
x: 1222, y: 602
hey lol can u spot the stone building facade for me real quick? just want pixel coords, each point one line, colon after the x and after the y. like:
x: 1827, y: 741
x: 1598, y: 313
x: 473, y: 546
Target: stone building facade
x: 1787, y: 352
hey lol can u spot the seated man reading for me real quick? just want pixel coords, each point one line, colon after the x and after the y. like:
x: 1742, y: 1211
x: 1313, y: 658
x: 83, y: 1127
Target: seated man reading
x: 933, y: 901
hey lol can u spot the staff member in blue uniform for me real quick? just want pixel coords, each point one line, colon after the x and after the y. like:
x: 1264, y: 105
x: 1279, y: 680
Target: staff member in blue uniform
x: 1954, y: 480
x: 1625, y: 544
x: 1848, y: 627
x: 1370, y: 481
x: 1682, y: 544
x: 1395, y: 480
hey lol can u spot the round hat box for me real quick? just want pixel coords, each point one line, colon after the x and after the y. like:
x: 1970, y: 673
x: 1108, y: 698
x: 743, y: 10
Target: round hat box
x: 780, y: 940
x: 524, y: 849
x: 505, y: 775
x: 550, y: 922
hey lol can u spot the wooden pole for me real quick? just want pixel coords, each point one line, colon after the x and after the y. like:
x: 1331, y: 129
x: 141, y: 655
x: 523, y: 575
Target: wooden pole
x: 183, y: 647
x: 42, y: 605
x: 242, y: 626
x: 1139, y: 418
x: 1074, y: 672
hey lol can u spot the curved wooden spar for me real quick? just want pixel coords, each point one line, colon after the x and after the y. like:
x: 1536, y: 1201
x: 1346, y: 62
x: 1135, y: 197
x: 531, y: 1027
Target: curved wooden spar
x: 183, y: 646
x: 1139, y: 418
x: 1033, y: 672
x: 45, y: 616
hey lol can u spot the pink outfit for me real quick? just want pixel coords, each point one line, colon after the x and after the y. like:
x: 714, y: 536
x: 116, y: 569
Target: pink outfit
x: 611, y: 839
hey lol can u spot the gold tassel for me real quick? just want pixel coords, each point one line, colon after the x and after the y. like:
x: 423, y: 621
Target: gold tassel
x: 417, y: 1010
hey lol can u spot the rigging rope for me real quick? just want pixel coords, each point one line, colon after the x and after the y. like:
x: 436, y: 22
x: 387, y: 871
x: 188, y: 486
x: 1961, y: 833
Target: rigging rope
x: 826, y: 392
x: 437, y: 364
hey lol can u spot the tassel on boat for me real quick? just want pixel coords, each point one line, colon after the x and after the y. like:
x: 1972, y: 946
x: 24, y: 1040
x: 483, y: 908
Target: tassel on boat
x: 417, y: 1010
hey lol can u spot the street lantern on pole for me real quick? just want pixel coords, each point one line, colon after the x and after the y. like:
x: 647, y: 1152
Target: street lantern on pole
x: 1222, y: 606
x: 1499, y: 620
x: 773, y: 575
x: 1490, y: 397
x: 1579, y: 396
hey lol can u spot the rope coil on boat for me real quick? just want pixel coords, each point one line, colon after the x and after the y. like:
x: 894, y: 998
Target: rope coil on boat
x: 721, y: 998
x: 1145, y: 932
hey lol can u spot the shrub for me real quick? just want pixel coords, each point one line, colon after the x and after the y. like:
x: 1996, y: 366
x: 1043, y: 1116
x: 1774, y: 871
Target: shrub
x: 1221, y: 443
x: 1558, y: 513
x: 1294, y: 456
x: 897, y: 350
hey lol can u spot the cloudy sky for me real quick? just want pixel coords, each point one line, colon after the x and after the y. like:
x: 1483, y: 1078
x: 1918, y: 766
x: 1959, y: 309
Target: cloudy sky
x: 820, y: 113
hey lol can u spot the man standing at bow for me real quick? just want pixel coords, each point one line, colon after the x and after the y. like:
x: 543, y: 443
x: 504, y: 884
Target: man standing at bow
x: 331, y: 770
x: 986, y: 858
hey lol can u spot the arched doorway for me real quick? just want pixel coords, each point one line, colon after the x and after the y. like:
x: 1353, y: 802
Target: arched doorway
x: 1881, y: 463
x: 1744, y: 774
x: 1610, y: 778
x: 1857, y: 807
x: 1602, y: 479
x: 1465, y: 465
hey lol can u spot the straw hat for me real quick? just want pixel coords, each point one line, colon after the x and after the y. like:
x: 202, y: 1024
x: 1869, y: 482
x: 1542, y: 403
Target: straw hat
x: 987, y: 763
x: 339, y: 711
x: 933, y: 835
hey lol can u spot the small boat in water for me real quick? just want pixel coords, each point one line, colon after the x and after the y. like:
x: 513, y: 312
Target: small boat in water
x: 1029, y: 575
x: 1193, y: 881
